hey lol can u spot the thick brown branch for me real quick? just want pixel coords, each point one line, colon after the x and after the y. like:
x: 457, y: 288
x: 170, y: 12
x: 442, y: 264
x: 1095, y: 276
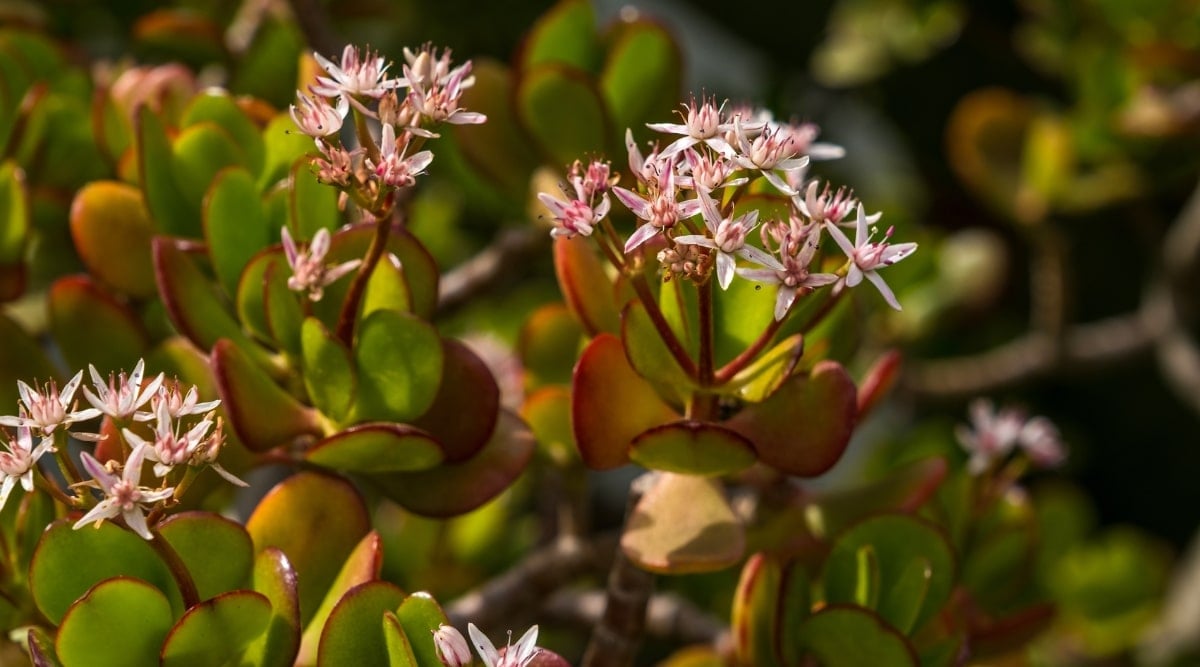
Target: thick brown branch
x: 526, y: 586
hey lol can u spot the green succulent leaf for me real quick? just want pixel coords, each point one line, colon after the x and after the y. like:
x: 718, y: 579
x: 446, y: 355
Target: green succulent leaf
x: 283, y: 147
x: 354, y: 634
x: 847, y: 636
x: 377, y: 447
x: 754, y: 618
x: 200, y: 152
x: 168, y: 205
x: 234, y: 226
x: 317, y: 520
x: 566, y: 34
x: 420, y: 616
x: 611, y: 404
x: 312, y: 204
x: 560, y: 107
x: 916, y: 569
x: 219, y: 108
x: 498, y: 149
x: 399, y: 648
x: 456, y: 488
x: 275, y: 578
x: 21, y: 358
x: 217, y: 551
x: 399, y: 360
x: 466, y: 381
x: 802, y: 428
x: 58, y: 576
x: 329, y: 373
x: 112, y: 231
x: 15, y: 223
x: 92, y: 327
x: 247, y: 392
x: 118, y: 622
x: 692, y: 447
x: 217, y: 630
x: 642, y: 75
x: 361, y: 566
x: 548, y: 345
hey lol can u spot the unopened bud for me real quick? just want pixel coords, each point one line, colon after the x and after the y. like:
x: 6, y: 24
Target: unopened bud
x: 452, y: 648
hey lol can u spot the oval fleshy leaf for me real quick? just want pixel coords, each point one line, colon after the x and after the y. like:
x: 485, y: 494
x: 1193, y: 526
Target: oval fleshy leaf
x: 315, y: 519
x: 498, y: 149
x: 898, y: 541
x: 165, y: 200
x: 399, y: 360
x: 754, y: 619
x: 15, y: 220
x: 803, y: 428
x: 193, y: 304
x: 217, y: 631
x: 247, y: 393
x: 420, y: 616
x: 283, y: 310
x: 649, y: 354
x: 455, y: 488
x: 112, y: 230
x: 21, y: 358
x: 377, y: 447
x: 683, y: 524
x: 361, y: 566
x: 760, y: 379
x: 218, y: 107
x: 354, y: 633
x: 200, y: 152
x: 90, y: 326
x: 275, y: 578
x: 217, y: 551
x: 251, y: 308
x: 740, y: 314
x: 283, y: 146
x: 329, y: 373
x: 387, y: 289
x: 467, y: 404
x: 548, y: 413
x: 58, y: 576
x: 847, y: 636
x: 399, y: 648
x: 312, y: 205
x: 118, y: 622
x: 561, y: 109
x: 585, y: 286
x: 642, y: 76
x: 548, y: 346
x: 565, y: 34
x: 234, y: 225
x: 611, y: 404
x: 693, y: 448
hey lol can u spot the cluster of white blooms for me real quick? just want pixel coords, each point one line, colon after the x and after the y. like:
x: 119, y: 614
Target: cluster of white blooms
x: 159, y: 421
x: 995, y: 434
x: 718, y: 153
x: 391, y: 117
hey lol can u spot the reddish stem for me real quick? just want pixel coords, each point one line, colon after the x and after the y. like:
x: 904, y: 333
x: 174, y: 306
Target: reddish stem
x: 349, y: 313
x: 664, y: 329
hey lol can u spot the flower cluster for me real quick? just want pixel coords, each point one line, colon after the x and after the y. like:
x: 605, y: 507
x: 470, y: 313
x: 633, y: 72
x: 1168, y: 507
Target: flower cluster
x: 993, y: 435
x: 157, y: 420
x: 391, y: 118
x: 718, y: 154
x: 452, y: 648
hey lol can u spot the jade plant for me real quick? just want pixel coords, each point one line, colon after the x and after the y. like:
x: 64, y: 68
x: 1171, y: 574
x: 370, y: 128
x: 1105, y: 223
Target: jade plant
x: 273, y: 445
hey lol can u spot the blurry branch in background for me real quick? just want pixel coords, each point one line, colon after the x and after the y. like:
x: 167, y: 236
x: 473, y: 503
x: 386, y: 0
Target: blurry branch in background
x: 1160, y: 325
x: 668, y: 616
x: 525, y: 587
x: 510, y: 248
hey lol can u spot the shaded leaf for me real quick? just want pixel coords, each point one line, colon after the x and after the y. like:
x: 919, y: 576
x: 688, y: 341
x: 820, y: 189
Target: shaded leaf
x: 683, y: 524
x: 217, y: 631
x: 118, y: 622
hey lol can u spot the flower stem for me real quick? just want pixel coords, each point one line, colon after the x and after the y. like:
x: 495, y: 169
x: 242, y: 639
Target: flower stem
x: 740, y: 362
x: 49, y: 486
x: 660, y: 323
x: 349, y: 313
x: 705, y: 372
x: 63, y: 456
x: 179, y: 571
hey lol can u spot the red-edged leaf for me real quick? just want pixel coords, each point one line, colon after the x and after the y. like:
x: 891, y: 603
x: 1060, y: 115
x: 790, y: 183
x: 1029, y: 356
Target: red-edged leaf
x: 611, y: 404
x: 803, y: 428
x: 585, y: 286
x: 465, y: 409
x: 248, y: 394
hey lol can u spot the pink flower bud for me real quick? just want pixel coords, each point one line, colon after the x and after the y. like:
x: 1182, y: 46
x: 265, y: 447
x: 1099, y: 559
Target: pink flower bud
x: 452, y: 648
